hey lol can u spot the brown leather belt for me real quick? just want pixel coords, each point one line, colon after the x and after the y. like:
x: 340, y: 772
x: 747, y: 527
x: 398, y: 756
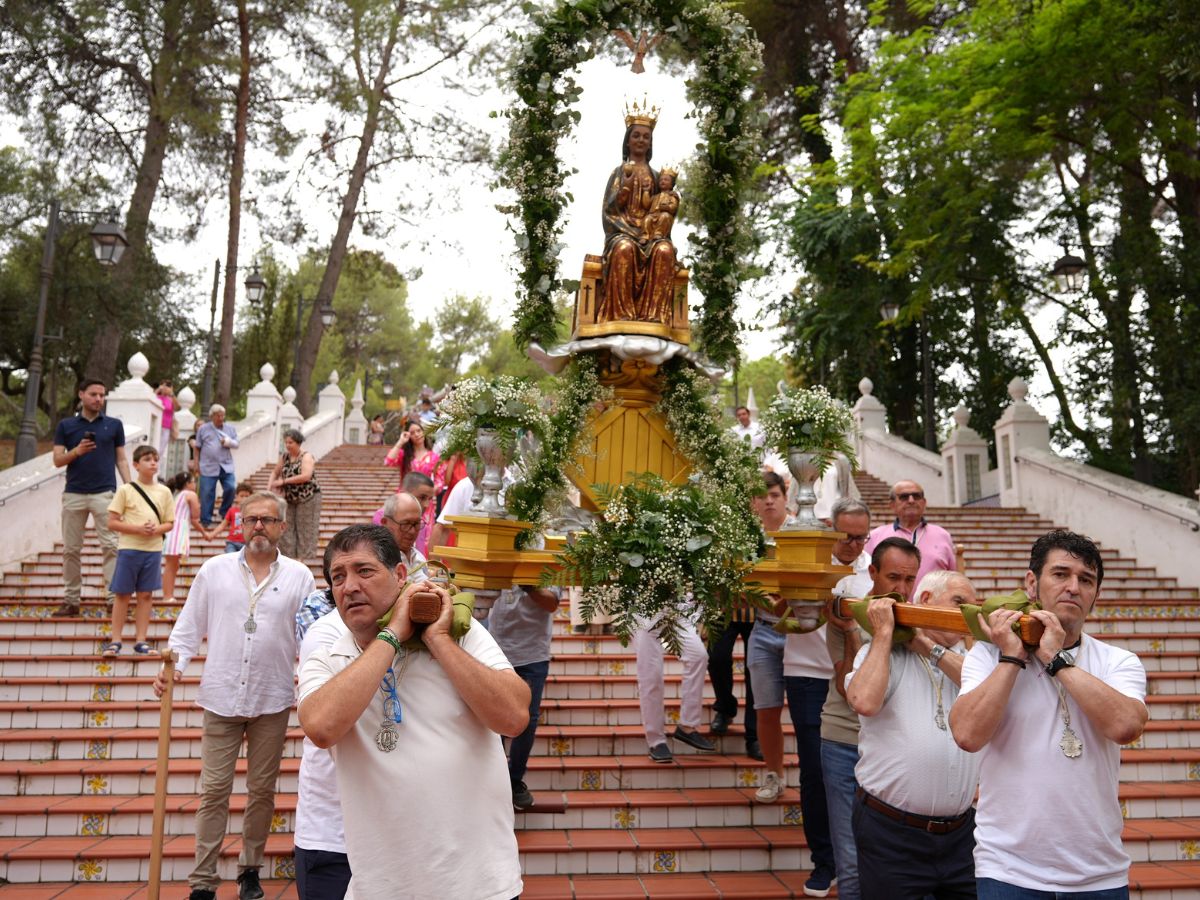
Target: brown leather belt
x: 925, y: 823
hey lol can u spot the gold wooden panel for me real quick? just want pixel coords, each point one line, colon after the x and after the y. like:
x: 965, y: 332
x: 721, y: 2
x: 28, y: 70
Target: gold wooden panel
x: 628, y: 439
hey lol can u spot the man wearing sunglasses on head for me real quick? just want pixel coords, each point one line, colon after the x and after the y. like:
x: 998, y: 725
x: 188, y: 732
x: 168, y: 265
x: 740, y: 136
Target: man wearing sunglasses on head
x: 908, y: 502
x: 245, y: 604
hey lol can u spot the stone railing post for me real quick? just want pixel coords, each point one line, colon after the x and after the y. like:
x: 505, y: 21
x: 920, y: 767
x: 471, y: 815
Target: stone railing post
x: 331, y: 397
x: 869, y: 413
x: 180, y: 452
x: 1020, y: 426
x: 135, y: 403
x: 356, y: 422
x: 263, y: 398
x: 965, y: 459
x: 289, y: 414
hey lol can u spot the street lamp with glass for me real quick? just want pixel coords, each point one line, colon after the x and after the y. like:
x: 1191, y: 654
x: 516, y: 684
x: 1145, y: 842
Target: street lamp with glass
x: 108, y: 244
x: 1069, y: 272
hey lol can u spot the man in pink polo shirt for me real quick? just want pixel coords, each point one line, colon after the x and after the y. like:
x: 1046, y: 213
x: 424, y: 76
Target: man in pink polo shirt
x: 934, y: 542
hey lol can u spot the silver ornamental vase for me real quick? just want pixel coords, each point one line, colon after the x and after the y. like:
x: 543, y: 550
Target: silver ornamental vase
x: 802, y: 465
x: 495, y: 460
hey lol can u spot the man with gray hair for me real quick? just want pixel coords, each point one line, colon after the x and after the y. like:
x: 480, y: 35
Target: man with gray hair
x: 245, y: 604
x: 215, y: 442
x: 914, y: 823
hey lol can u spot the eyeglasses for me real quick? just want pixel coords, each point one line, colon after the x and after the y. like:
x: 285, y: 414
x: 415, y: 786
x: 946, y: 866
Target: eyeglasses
x: 911, y: 495
x: 406, y: 525
x: 855, y: 538
x: 264, y: 521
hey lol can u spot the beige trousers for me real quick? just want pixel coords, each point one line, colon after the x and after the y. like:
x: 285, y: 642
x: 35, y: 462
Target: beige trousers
x: 219, y: 748
x: 299, y: 539
x: 75, y: 511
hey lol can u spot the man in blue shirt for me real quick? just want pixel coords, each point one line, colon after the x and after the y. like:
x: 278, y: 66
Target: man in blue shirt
x: 91, y: 446
x: 215, y: 443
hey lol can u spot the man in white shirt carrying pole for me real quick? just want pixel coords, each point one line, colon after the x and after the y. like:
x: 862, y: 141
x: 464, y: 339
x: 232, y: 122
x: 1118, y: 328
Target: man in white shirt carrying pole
x: 245, y: 604
x: 411, y: 718
x: 1048, y: 726
x: 913, y: 821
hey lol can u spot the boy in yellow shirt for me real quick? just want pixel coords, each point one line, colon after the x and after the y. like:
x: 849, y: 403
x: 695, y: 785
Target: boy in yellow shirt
x: 141, y: 512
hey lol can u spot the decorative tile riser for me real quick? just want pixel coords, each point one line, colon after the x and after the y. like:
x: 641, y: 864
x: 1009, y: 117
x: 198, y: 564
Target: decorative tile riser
x: 121, y: 870
x: 645, y: 862
x: 133, y: 783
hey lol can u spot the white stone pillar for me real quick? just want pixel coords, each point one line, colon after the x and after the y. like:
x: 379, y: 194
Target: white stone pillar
x: 185, y: 427
x: 752, y: 405
x: 331, y: 397
x: 136, y: 405
x: 289, y: 414
x: 263, y: 398
x: 965, y: 457
x: 356, y: 422
x: 869, y: 414
x: 1020, y: 426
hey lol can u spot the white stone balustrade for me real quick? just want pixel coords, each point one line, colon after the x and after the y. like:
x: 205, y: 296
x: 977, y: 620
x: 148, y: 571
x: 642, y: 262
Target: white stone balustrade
x: 31, y: 493
x: 889, y: 457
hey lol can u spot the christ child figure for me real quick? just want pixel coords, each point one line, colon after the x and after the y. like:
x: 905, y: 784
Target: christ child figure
x: 664, y: 206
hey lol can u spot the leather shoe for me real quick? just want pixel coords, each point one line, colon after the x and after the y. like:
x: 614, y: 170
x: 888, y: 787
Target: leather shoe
x: 720, y: 723
x: 753, y: 750
x: 694, y: 739
x: 661, y: 753
x: 248, y: 885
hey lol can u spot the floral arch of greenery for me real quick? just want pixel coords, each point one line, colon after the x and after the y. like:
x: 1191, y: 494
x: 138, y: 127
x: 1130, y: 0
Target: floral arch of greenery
x: 728, y: 57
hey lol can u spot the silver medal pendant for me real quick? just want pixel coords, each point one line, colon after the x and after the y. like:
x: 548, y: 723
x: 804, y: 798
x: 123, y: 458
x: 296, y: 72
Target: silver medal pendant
x: 251, y: 626
x: 940, y: 720
x: 385, y: 740
x: 1071, y: 746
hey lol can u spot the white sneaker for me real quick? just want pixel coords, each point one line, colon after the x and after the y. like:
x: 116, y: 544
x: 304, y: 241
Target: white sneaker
x: 771, y: 789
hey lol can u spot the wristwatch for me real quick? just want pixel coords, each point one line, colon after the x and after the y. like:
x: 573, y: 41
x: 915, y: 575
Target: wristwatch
x: 1058, y: 662
x: 936, y: 652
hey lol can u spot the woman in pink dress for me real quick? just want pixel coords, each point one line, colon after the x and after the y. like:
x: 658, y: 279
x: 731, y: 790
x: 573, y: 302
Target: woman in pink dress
x: 412, y: 454
x: 178, y: 540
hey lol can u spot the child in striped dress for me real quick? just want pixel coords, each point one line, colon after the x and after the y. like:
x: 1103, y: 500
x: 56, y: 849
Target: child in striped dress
x: 178, y: 541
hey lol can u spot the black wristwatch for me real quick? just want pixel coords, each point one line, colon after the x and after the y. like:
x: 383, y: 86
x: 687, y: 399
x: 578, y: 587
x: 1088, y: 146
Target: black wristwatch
x: 1058, y: 662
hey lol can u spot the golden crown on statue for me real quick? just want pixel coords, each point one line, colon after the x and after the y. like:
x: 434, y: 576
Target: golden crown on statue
x: 669, y: 170
x: 641, y: 114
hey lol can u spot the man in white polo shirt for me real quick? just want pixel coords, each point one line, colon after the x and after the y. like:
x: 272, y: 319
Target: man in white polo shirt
x: 1048, y: 727
x: 423, y: 781
x: 913, y: 821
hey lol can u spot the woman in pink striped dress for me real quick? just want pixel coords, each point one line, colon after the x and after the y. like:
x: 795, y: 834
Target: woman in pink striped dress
x: 178, y: 540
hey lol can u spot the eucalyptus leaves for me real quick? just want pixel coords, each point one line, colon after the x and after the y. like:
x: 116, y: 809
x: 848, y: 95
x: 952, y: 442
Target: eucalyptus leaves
x: 509, y: 406
x: 812, y: 421
x: 659, y: 554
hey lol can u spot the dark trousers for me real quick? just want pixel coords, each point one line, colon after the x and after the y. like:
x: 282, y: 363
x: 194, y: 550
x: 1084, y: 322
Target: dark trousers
x: 901, y: 862
x: 805, y: 697
x: 720, y: 671
x: 534, y: 675
x: 321, y: 874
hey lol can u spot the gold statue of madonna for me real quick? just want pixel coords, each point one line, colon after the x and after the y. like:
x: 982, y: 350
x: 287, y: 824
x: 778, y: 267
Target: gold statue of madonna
x: 639, y: 261
x: 637, y: 286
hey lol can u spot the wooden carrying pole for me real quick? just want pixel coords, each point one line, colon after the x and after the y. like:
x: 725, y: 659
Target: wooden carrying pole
x: 160, y: 774
x: 943, y: 619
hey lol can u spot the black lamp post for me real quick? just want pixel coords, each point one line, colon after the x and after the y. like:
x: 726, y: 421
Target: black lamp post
x: 327, y: 317
x: 387, y: 385
x: 889, y: 310
x: 255, y: 287
x: 108, y: 243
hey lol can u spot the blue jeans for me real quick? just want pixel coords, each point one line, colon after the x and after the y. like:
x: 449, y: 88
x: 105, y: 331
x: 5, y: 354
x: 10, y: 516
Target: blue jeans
x: 805, y: 697
x: 837, y: 767
x: 990, y: 889
x: 534, y: 675
x: 321, y: 874
x: 208, y: 493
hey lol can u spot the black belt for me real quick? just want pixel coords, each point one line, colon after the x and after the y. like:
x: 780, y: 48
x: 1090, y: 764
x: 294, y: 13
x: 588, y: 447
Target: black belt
x: 925, y: 823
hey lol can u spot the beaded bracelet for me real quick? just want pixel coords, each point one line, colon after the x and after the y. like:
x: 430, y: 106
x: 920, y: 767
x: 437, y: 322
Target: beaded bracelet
x: 391, y: 639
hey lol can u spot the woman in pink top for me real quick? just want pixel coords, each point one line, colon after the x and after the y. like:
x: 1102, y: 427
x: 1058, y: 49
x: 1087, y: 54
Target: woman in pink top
x: 412, y: 454
x: 166, y: 395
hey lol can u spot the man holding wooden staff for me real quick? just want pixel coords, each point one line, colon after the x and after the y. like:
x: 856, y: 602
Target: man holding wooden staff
x: 913, y: 820
x: 1049, y: 722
